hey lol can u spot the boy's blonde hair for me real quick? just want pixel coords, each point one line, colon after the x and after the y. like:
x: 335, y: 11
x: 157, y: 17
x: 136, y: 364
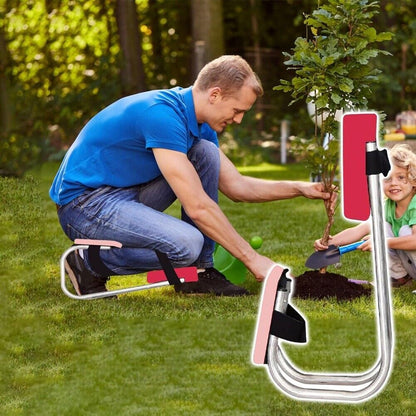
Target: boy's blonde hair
x: 402, y: 156
x: 230, y: 73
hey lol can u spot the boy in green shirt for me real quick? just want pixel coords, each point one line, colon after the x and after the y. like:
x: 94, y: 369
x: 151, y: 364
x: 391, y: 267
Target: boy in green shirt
x: 400, y: 211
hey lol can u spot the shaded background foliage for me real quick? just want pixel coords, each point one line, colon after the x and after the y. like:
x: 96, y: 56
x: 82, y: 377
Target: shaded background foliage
x: 62, y: 61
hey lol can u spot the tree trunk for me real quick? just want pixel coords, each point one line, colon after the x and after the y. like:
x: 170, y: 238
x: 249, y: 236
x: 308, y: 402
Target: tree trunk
x: 405, y: 48
x: 207, y: 32
x: 257, y: 57
x: 132, y: 72
x: 256, y: 37
x: 330, y: 212
x: 5, y: 103
x: 156, y: 37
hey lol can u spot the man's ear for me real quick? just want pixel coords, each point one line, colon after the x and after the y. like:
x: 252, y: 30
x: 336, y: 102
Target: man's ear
x: 214, y: 94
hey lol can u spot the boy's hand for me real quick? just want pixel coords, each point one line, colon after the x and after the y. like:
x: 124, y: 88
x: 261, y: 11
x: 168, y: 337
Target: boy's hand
x: 319, y: 246
x: 367, y: 245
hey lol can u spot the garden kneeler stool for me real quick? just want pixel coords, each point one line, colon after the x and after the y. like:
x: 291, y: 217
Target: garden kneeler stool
x: 155, y: 278
x: 362, y: 161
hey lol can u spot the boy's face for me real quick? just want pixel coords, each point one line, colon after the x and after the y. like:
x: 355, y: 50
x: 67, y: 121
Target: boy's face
x: 397, y: 186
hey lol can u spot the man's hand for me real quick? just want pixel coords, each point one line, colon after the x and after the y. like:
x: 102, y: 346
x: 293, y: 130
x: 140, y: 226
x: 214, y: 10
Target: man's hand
x: 260, y: 266
x: 315, y: 190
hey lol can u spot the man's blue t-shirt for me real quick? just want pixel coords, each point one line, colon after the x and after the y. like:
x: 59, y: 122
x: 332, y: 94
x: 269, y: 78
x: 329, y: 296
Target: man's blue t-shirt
x: 115, y: 146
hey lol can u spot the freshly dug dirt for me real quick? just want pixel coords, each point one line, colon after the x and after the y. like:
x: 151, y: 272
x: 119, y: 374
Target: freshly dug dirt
x: 315, y: 285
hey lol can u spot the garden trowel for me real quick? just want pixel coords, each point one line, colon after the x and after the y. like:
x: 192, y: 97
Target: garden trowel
x: 332, y: 255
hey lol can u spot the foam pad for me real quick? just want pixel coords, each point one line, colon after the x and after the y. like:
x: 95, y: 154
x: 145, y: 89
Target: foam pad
x: 105, y: 243
x: 356, y: 130
x: 265, y: 315
x: 189, y: 274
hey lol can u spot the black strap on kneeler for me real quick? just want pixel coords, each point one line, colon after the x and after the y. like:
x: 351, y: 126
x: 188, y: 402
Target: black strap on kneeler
x: 99, y: 267
x: 289, y: 326
x: 96, y: 263
x: 170, y: 273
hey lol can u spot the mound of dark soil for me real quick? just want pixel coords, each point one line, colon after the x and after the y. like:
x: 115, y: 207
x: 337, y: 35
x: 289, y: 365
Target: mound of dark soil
x: 315, y: 285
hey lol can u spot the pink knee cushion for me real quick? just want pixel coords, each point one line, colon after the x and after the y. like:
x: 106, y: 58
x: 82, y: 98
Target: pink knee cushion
x: 264, y: 319
x: 107, y: 243
x: 189, y: 274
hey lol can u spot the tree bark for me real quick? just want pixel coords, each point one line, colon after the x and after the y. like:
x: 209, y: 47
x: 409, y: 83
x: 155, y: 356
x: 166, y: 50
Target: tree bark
x: 5, y: 102
x: 156, y: 35
x: 207, y: 32
x: 132, y: 72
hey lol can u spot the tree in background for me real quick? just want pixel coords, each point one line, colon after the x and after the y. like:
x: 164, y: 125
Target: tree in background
x: 399, y: 91
x: 62, y: 65
x: 333, y: 71
x: 5, y: 102
x: 132, y: 72
x: 207, y: 32
x: 65, y: 61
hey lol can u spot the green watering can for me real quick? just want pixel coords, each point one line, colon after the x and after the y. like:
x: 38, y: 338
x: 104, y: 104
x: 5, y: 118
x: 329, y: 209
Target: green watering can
x: 232, y: 268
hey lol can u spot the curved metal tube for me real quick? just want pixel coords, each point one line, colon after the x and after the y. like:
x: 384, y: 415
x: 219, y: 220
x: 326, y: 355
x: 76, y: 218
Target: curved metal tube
x: 299, y: 376
x: 347, y: 387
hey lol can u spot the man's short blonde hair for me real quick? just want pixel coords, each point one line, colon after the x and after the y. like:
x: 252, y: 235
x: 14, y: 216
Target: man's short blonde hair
x: 230, y: 73
x: 402, y: 156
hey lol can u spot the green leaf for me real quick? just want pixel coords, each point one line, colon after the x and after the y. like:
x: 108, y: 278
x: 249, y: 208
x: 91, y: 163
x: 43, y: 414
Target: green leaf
x: 321, y: 102
x: 336, y: 98
x: 346, y: 85
x: 382, y: 36
x: 370, y: 34
x: 364, y: 56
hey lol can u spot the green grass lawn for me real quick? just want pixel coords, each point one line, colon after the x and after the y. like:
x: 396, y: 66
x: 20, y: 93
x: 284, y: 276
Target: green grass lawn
x: 159, y: 353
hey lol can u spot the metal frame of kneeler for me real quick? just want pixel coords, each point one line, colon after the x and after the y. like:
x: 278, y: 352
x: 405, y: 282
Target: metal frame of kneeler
x: 267, y: 346
x: 156, y: 278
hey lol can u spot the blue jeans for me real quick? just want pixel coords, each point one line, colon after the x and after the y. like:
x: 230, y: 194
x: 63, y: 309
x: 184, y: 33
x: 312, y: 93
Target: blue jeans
x: 134, y: 217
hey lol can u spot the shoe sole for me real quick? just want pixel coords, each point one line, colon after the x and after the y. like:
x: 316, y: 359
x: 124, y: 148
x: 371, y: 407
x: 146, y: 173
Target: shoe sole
x: 408, y: 284
x: 405, y: 284
x: 233, y: 295
x: 72, y: 278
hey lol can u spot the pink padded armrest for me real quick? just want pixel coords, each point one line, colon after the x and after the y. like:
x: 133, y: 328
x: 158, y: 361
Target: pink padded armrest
x: 357, y: 130
x: 264, y: 319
